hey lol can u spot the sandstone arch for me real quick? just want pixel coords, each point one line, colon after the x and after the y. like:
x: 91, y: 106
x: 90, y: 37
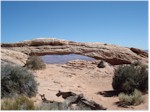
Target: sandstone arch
x: 112, y: 54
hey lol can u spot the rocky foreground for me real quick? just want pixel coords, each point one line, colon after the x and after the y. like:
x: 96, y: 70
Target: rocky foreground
x: 112, y: 54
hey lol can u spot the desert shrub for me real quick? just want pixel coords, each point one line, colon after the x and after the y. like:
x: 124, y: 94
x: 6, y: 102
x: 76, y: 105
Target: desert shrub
x: 18, y: 103
x: 101, y: 64
x: 130, y: 77
x: 142, y: 79
x: 35, y: 63
x: 136, y: 63
x: 17, y: 80
x: 131, y: 99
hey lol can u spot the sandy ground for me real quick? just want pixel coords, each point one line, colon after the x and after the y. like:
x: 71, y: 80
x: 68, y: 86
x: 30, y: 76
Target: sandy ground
x: 89, y: 80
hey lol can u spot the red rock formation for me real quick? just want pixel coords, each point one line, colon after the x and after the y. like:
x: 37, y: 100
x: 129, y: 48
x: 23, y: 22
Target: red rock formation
x: 139, y: 52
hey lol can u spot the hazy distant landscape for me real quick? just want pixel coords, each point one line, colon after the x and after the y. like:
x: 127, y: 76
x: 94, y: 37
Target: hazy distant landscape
x: 62, y: 59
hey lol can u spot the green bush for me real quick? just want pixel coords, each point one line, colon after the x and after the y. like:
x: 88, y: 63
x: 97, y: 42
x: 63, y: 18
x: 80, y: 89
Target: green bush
x: 101, y: 64
x: 131, y: 99
x: 130, y: 77
x: 17, y: 80
x: 136, y: 63
x: 18, y: 103
x: 141, y: 78
x: 35, y: 63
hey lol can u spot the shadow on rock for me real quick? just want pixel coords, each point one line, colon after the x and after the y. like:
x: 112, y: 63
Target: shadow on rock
x: 120, y: 104
x: 110, y: 93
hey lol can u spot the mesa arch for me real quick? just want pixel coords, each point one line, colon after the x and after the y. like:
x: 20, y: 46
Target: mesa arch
x: 112, y: 54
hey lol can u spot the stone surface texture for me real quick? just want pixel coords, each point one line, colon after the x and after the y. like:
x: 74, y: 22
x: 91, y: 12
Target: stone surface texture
x: 13, y: 57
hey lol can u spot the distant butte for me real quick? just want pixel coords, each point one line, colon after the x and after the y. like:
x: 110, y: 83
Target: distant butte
x: 112, y: 54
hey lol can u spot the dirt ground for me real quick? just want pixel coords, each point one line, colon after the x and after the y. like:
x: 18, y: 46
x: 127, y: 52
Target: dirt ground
x: 88, y: 79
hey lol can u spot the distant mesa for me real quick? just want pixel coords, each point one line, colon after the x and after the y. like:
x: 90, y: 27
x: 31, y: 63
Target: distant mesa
x: 112, y: 54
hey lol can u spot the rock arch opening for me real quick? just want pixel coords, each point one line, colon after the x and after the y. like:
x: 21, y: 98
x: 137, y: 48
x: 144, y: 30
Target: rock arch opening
x: 62, y: 59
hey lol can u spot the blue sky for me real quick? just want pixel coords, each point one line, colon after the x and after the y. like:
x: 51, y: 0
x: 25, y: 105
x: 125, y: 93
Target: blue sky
x: 121, y: 23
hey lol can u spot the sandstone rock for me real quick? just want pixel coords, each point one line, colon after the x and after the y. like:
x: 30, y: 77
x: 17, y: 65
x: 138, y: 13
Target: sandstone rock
x: 139, y: 52
x: 79, y: 64
x: 12, y: 57
x: 112, y: 54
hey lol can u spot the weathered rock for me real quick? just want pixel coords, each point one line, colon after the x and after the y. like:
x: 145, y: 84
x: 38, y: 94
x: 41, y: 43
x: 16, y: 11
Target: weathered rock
x: 13, y: 57
x: 139, y: 52
x: 113, y: 54
x: 77, y: 64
